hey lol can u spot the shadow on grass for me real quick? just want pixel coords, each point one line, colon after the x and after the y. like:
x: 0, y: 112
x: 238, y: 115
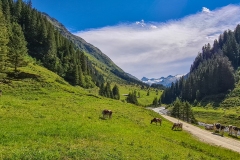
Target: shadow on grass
x: 217, y: 134
x: 155, y: 124
x: 22, y: 75
x: 233, y: 136
x: 176, y: 130
x: 102, y: 118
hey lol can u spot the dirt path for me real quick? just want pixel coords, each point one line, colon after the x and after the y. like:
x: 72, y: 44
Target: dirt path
x: 204, y: 135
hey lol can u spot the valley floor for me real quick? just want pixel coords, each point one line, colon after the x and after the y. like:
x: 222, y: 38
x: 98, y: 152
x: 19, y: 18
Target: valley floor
x: 204, y: 135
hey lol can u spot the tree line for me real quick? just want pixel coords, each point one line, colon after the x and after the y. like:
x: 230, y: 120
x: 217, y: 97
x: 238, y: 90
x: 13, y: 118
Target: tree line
x: 183, y: 111
x: 212, y: 72
x: 25, y: 31
x: 106, y: 91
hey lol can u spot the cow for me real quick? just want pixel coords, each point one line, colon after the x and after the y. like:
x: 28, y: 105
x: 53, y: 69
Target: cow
x: 233, y: 129
x: 157, y: 120
x: 107, y: 112
x: 219, y: 128
x: 177, y: 126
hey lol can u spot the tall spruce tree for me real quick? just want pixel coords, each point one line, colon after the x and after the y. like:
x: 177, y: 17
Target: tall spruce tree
x: 18, y: 47
x: 155, y: 102
x: 132, y: 98
x: 4, y: 39
x: 115, y: 91
x: 176, y: 109
x: 50, y: 58
x: 108, y: 91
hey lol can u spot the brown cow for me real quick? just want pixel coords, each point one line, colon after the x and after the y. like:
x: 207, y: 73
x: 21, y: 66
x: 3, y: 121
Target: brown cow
x: 218, y: 127
x: 233, y: 129
x: 157, y: 120
x: 177, y: 126
x: 107, y: 112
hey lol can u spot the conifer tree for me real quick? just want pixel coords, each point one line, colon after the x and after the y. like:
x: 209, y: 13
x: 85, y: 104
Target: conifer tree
x: 6, y: 10
x: 176, y: 109
x: 132, y: 98
x: 17, y: 10
x: 108, y: 91
x: 18, y: 47
x: 82, y: 82
x: 115, y: 91
x: 101, y: 90
x: 83, y: 63
x: 76, y: 76
x: 155, y: 102
x: 50, y: 59
x: 237, y: 33
x: 4, y: 39
x: 188, y: 111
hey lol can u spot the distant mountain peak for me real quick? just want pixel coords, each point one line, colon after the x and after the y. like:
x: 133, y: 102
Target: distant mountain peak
x: 166, y: 81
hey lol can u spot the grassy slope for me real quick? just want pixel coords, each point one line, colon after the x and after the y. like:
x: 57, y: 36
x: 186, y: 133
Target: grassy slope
x: 143, y: 100
x: 43, y: 117
x: 224, y: 116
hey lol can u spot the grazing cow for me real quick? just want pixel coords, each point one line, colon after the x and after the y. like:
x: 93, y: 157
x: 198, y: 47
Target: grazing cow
x: 157, y: 120
x: 233, y: 129
x: 209, y: 127
x: 177, y: 126
x: 218, y: 127
x: 107, y: 112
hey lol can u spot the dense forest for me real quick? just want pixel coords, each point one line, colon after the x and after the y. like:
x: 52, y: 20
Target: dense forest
x: 212, y: 72
x: 25, y: 31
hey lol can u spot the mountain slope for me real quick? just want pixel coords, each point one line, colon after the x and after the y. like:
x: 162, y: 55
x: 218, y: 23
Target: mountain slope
x: 81, y: 43
x: 111, y: 71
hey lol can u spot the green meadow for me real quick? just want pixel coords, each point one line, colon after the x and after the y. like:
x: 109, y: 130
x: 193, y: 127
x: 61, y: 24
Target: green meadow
x: 226, y: 116
x: 145, y: 96
x: 43, y: 117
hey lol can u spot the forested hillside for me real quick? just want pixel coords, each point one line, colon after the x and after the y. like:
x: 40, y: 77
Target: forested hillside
x: 99, y: 59
x: 27, y: 32
x: 212, y: 74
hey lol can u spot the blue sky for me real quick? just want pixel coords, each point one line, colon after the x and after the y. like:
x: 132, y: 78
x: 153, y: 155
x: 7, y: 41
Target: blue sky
x: 151, y: 38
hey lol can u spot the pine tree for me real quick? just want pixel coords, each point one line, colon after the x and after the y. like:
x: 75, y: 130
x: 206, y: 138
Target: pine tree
x: 108, y: 91
x: 155, y: 102
x: 83, y: 63
x: 17, y: 45
x: 6, y: 10
x: 82, y: 82
x: 102, y: 90
x: 17, y: 10
x: 132, y: 98
x: 115, y: 91
x: 176, y: 109
x: 4, y: 39
x: 50, y: 59
x: 76, y: 76
x: 187, y: 108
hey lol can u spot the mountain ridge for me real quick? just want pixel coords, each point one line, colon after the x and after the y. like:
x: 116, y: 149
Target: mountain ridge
x: 166, y: 81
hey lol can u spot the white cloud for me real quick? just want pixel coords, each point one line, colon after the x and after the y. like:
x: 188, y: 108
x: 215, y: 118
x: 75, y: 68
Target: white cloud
x: 159, y: 49
x: 204, y: 9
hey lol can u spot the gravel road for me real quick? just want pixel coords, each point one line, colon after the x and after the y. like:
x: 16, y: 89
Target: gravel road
x: 203, y: 135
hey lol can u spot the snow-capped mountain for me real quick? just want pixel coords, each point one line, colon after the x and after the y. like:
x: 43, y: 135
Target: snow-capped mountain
x: 166, y: 81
